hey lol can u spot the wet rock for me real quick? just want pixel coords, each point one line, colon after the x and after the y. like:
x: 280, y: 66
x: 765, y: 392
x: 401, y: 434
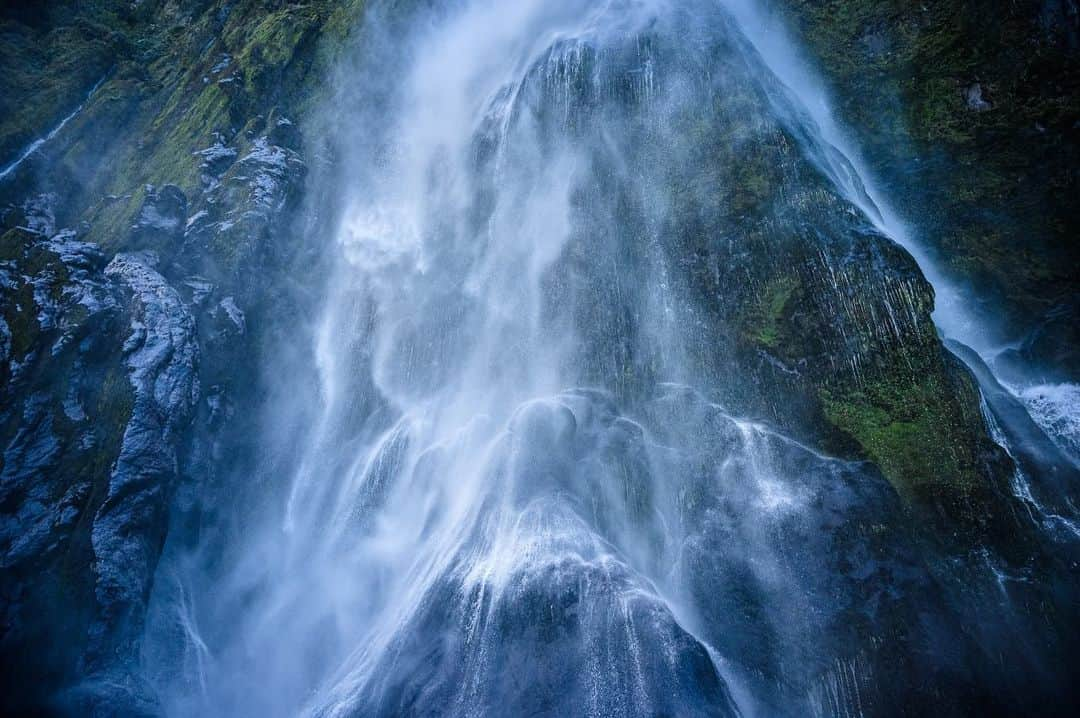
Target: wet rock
x: 161, y: 356
x: 948, y: 121
x: 54, y: 293
x: 59, y: 409
x: 161, y: 219
x: 284, y: 132
x: 265, y: 174
x: 197, y: 289
x: 98, y: 368
x: 234, y: 226
x: 564, y: 622
x: 5, y: 341
x: 1048, y: 352
x: 1054, y: 344
x: 39, y: 214
x: 25, y: 485
x: 876, y: 42
x: 234, y: 314
x: 215, y: 160
x: 973, y: 96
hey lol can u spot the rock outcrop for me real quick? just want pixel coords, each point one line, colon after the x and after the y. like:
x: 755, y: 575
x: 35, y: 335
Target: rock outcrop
x: 970, y: 112
x: 135, y: 270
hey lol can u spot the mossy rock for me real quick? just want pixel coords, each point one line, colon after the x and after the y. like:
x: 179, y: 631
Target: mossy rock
x: 162, y: 88
x: 763, y: 323
x: 968, y: 113
x: 921, y: 425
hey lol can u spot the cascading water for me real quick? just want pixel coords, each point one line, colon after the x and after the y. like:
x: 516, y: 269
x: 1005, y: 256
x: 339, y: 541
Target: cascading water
x: 521, y: 483
x: 1053, y: 407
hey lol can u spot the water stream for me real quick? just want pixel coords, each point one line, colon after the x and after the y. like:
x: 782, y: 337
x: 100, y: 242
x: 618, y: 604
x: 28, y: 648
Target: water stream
x: 51, y: 134
x: 1054, y: 407
x: 524, y: 482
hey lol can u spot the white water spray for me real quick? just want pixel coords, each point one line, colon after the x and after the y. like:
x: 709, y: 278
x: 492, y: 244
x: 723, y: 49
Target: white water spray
x: 518, y: 493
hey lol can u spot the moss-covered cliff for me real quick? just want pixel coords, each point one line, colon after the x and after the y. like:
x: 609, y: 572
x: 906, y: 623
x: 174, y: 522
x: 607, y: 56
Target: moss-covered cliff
x: 970, y: 114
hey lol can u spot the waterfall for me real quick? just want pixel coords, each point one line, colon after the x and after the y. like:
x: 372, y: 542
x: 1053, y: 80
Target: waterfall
x: 1054, y: 407
x: 529, y: 479
x: 51, y: 134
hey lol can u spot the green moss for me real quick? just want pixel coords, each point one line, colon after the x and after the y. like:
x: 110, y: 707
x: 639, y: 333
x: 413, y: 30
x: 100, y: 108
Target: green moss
x: 115, y: 401
x: 166, y: 155
x: 21, y: 318
x: 341, y: 21
x: 161, y: 101
x: 910, y: 426
x: 272, y: 52
x: 188, y: 128
x: 114, y: 215
x: 983, y: 187
x: 47, y: 75
x: 272, y: 41
x: 14, y: 243
x: 941, y: 114
x: 764, y: 322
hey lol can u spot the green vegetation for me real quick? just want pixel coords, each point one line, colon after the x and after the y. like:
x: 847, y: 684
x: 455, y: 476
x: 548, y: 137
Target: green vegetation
x: 764, y: 320
x: 174, y: 76
x: 994, y: 185
x: 22, y: 321
x: 909, y: 428
x: 47, y: 72
x: 115, y: 402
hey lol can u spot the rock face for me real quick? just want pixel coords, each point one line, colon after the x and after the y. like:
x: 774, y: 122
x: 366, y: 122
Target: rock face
x: 161, y: 355
x: 971, y: 113
x: 155, y: 158
x: 133, y: 267
x: 100, y: 384
x: 64, y: 407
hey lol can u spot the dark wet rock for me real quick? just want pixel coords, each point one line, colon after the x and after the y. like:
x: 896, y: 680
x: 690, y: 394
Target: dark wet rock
x: 1046, y: 354
x: 876, y: 42
x: 232, y: 228
x: 266, y: 176
x: 61, y: 406
x: 24, y: 485
x: 215, y: 160
x: 768, y: 244
x: 961, y: 154
x: 228, y: 310
x: 1049, y: 473
x: 129, y: 527
x: 100, y: 377
x: 566, y: 627
x: 161, y: 219
x: 564, y: 616
x: 106, y: 696
x: 196, y: 289
x: 38, y: 214
x: 1050, y: 352
x: 5, y: 341
x: 285, y: 132
x: 100, y: 368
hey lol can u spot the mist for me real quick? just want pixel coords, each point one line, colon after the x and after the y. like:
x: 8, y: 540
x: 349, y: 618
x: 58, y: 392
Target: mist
x: 524, y: 463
